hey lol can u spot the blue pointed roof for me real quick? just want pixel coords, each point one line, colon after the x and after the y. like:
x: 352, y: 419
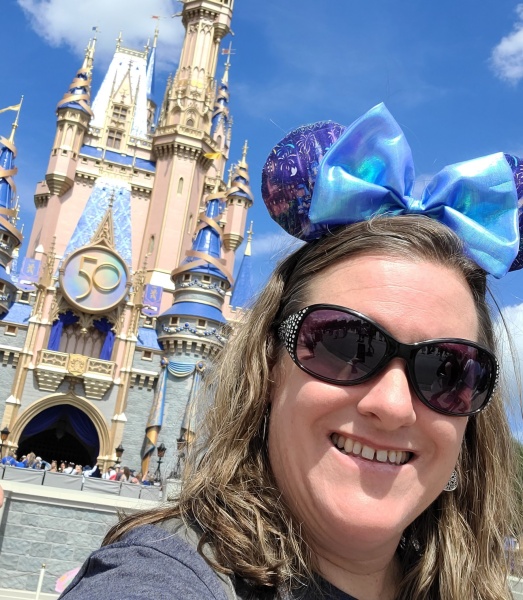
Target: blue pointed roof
x: 195, y: 309
x: 7, y: 186
x: 208, y: 241
x: 221, y: 104
x: 244, y: 291
x: 79, y: 94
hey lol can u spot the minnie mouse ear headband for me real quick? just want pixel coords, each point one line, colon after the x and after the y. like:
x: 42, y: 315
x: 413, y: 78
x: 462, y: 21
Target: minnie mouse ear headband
x: 324, y: 175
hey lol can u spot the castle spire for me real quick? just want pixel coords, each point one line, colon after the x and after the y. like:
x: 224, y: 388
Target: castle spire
x: 11, y: 236
x: 151, y: 62
x: 244, y: 291
x: 15, y: 122
x: 239, y: 199
x: 79, y: 94
x: 220, y: 115
x: 206, y: 253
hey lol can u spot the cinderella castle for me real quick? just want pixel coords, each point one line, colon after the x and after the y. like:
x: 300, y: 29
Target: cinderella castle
x: 127, y: 289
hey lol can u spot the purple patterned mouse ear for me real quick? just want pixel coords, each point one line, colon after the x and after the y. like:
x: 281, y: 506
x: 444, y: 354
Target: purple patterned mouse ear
x: 516, y: 164
x: 289, y: 175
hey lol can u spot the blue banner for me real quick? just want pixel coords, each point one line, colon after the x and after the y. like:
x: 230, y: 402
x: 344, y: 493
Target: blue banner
x: 152, y: 300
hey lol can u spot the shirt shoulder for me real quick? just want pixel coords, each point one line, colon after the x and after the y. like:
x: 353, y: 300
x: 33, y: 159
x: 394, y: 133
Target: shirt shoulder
x: 149, y: 561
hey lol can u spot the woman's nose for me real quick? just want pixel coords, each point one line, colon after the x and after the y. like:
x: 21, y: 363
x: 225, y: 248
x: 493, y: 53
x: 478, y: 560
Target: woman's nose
x: 388, y: 397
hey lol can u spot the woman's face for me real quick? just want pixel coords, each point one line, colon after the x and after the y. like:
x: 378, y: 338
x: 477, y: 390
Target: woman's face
x: 348, y: 504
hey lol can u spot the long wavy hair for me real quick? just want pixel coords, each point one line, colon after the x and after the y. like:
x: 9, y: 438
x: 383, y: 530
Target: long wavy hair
x: 454, y: 549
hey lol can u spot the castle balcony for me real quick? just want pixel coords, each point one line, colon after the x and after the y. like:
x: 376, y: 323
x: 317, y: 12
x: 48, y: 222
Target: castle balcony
x: 53, y: 367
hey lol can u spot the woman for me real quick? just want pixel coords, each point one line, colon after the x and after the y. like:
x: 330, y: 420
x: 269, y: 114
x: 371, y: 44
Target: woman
x: 327, y: 470
x: 126, y: 475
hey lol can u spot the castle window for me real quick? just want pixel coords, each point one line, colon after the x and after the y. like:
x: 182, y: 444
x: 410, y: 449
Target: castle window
x: 24, y: 297
x: 114, y: 138
x: 11, y: 330
x: 206, y: 278
x: 187, y: 277
x: 202, y: 322
x: 148, y: 322
x: 180, y: 185
x: 147, y: 355
x: 119, y: 113
x: 173, y: 321
x: 2, y: 287
x: 190, y: 122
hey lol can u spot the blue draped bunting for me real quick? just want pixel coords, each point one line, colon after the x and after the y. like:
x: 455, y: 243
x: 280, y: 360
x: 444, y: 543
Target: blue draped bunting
x: 79, y: 421
x: 106, y: 326
x: 69, y: 318
x: 64, y: 319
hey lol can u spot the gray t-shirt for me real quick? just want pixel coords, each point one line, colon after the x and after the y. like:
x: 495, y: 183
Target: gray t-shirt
x: 163, y: 563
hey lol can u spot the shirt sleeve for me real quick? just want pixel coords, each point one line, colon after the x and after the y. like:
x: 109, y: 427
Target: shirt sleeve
x: 165, y: 568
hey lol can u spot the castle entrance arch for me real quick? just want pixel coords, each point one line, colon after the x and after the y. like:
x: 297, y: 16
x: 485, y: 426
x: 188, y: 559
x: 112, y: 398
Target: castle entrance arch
x: 62, y: 429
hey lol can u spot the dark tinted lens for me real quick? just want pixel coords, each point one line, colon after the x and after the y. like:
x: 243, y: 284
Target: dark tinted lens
x: 455, y: 378
x: 339, y: 346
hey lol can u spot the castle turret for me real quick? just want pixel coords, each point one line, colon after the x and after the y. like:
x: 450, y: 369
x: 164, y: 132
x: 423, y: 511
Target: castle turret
x: 182, y: 142
x: 195, y: 318
x: 239, y: 200
x: 74, y: 114
x: 221, y: 122
x: 10, y: 236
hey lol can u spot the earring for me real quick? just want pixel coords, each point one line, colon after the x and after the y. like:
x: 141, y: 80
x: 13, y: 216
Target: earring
x: 265, y: 424
x: 452, y: 483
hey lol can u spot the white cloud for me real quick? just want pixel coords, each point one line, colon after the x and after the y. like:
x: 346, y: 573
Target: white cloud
x: 507, y: 57
x: 66, y: 23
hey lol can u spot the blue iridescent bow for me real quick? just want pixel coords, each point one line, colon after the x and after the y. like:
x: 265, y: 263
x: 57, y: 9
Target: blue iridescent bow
x: 369, y: 171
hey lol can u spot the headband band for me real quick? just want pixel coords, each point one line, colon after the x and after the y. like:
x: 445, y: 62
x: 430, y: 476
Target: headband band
x: 325, y: 175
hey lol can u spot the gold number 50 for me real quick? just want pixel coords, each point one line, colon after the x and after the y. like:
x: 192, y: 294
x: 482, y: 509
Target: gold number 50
x: 94, y: 274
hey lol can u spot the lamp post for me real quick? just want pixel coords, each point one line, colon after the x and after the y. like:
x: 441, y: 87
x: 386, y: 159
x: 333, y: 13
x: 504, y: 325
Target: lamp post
x: 119, y: 451
x: 4, y: 434
x: 160, y: 451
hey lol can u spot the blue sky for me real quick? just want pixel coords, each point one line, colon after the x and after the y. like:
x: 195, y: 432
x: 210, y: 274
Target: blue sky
x: 450, y: 72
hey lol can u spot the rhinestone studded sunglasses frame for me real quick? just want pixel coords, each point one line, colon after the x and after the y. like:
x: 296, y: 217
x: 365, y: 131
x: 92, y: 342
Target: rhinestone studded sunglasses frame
x: 289, y: 332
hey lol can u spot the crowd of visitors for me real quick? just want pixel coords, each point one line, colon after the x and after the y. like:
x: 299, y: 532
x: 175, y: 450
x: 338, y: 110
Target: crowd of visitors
x: 114, y: 473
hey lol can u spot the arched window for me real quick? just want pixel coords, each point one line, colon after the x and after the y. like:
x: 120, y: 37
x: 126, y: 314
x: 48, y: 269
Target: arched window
x: 180, y: 185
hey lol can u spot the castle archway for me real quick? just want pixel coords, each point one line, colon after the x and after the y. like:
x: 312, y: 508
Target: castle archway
x: 62, y: 428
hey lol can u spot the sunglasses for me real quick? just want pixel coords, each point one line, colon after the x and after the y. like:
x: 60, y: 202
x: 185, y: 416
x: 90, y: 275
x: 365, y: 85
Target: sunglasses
x: 341, y: 346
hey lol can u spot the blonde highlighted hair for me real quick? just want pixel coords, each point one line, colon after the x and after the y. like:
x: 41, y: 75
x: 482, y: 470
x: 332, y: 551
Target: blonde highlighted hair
x: 454, y: 549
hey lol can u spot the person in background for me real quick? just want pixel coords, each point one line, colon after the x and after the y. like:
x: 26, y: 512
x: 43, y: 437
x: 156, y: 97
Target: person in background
x: 318, y: 476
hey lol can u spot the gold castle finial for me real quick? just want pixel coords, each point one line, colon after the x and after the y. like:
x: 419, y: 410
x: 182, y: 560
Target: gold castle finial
x: 248, y: 247
x: 89, y: 53
x: 244, y: 155
x: 15, y: 123
x: 156, y: 33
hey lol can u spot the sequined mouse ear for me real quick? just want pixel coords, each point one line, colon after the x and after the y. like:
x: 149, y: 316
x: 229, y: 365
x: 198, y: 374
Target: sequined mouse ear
x: 516, y: 164
x: 289, y: 175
